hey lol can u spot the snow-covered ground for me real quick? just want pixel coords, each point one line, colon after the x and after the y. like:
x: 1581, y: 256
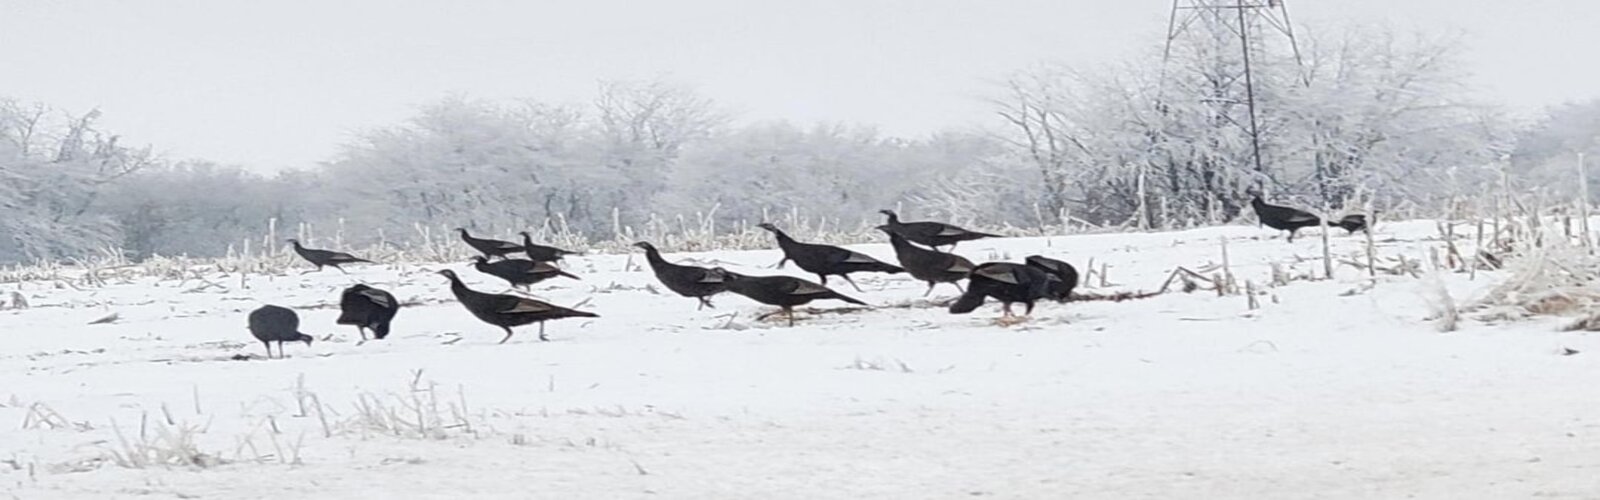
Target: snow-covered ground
x: 1329, y: 390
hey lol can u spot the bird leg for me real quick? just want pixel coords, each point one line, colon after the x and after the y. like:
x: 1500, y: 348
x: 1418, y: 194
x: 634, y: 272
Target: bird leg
x: 508, y: 334
x: 953, y: 246
x: 542, y: 338
x: 269, y: 348
x: 930, y: 289
x: 958, y: 286
x: 781, y: 263
x: 789, y: 311
x: 309, y: 271
x: 768, y: 315
x: 1005, y: 308
x: 851, y: 282
x: 363, y: 331
x: 704, y: 303
x: 341, y: 270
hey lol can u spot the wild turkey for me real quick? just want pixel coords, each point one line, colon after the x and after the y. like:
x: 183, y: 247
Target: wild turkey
x: 1004, y: 281
x: 927, y: 265
x: 1352, y: 223
x: 1283, y: 218
x: 367, y: 308
x: 932, y: 234
x: 826, y: 260
x: 518, y: 272
x: 782, y: 291
x: 541, y: 253
x: 506, y: 311
x: 1064, y: 276
x: 325, y: 258
x: 488, y: 247
x: 689, y: 281
x: 276, y: 324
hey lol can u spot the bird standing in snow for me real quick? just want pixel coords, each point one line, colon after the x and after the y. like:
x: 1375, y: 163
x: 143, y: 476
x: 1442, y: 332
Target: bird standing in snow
x: 932, y: 234
x: 276, y: 324
x: 826, y: 260
x: 541, y: 253
x: 689, y: 281
x: 367, y: 308
x: 518, y: 272
x: 1283, y: 218
x: 329, y: 258
x: 489, y: 247
x: 1007, y: 282
x: 506, y: 311
x: 782, y: 291
x: 927, y: 265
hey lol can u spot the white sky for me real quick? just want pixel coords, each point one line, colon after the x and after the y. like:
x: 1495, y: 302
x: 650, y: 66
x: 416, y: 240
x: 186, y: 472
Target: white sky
x: 278, y: 84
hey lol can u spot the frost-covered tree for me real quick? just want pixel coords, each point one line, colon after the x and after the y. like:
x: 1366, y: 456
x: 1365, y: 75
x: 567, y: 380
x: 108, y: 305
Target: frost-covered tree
x: 53, y: 170
x: 1546, y: 154
x: 1371, y: 114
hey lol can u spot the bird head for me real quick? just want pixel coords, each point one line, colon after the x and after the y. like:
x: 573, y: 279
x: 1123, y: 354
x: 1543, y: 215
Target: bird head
x: 889, y: 213
x: 292, y: 241
x: 645, y: 245
x: 479, y: 259
x: 768, y: 226
x: 448, y: 274
x: 524, y: 234
x: 306, y: 338
x: 462, y: 230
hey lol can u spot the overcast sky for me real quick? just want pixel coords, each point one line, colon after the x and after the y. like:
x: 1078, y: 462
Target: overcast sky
x: 278, y: 84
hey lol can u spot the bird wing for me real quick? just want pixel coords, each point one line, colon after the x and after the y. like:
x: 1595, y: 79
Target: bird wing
x: 859, y: 258
x: 1000, y: 274
x: 1298, y: 216
x: 959, y: 265
x: 709, y: 277
x: 522, y: 306
x: 808, y: 288
x: 949, y: 230
x: 504, y: 245
x: 377, y: 297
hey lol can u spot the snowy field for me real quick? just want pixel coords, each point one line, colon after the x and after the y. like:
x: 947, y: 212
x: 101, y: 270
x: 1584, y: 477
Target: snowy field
x: 1331, y: 389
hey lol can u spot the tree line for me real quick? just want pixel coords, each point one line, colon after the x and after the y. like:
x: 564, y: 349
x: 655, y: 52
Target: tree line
x: 1366, y: 119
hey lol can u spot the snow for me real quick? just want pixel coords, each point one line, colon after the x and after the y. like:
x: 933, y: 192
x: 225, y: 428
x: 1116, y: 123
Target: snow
x: 1325, y: 391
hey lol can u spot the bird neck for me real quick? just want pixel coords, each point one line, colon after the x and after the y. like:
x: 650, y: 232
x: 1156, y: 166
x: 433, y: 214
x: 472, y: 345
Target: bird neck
x: 654, y: 256
x: 783, y: 238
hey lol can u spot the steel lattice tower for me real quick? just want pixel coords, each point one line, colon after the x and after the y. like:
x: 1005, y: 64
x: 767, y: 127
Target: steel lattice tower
x: 1246, y: 22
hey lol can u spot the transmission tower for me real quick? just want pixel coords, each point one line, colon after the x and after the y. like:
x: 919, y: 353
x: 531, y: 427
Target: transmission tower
x: 1244, y: 22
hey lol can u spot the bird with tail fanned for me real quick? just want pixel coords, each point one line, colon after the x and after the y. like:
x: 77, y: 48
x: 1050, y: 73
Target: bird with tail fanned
x: 489, y: 247
x: 827, y: 260
x: 782, y: 291
x: 695, y: 282
x: 932, y: 234
x: 325, y: 258
x: 276, y: 324
x: 927, y: 265
x: 518, y: 272
x: 367, y: 308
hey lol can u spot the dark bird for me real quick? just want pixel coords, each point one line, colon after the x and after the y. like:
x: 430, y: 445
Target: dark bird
x: 927, y: 265
x: 689, y: 281
x: 827, y: 260
x: 1004, y: 281
x: 1283, y: 218
x: 327, y: 258
x: 1352, y: 223
x: 489, y: 247
x: 782, y: 291
x: 367, y: 308
x: 541, y: 253
x: 276, y: 324
x: 518, y: 272
x: 506, y: 311
x: 1064, y: 276
x: 933, y: 234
